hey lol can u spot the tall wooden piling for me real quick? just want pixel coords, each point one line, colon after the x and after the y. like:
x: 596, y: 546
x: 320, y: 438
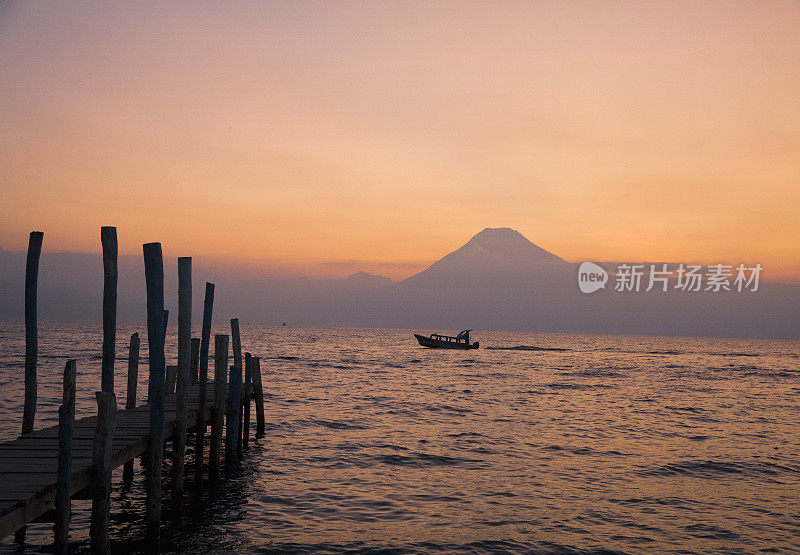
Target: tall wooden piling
x: 164, y: 328
x: 66, y: 420
x: 108, y: 239
x: 237, y: 361
x: 258, y: 394
x: 31, y: 340
x: 170, y: 378
x: 133, y: 371
x: 194, y: 357
x: 31, y: 329
x: 236, y: 341
x: 182, y: 391
x: 130, y: 394
x: 163, y: 335
x: 246, y: 395
x: 101, y: 483
x: 208, y: 309
x: 154, y: 275
x: 208, y: 306
x: 232, y: 422
x: 218, y: 406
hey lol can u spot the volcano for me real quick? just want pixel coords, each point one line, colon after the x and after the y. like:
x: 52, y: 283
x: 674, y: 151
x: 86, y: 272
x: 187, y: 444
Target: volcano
x: 493, y: 249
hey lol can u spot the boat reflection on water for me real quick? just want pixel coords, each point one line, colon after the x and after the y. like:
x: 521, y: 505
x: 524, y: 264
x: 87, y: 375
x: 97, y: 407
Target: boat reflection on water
x: 439, y: 341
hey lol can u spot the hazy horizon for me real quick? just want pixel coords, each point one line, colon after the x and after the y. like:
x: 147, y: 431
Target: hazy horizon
x: 497, y: 280
x: 340, y: 269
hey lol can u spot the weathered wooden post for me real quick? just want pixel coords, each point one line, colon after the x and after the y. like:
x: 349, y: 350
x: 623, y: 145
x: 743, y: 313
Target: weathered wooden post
x: 218, y: 408
x: 165, y: 320
x: 31, y: 340
x: 236, y: 340
x: 164, y: 336
x: 239, y: 425
x: 208, y: 306
x: 258, y: 393
x: 66, y: 419
x: 154, y: 274
x: 164, y: 329
x: 130, y: 394
x: 101, y: 482
x: 182, y: 391
x: 248, y: 381
x: 194, y: 366
x: 208, y: 309
x: 133, y: 371
x: 170, y: 378
x: 232, y: 417
x: 31, y: 329
x: 237, y: 361
x: 108, y: 238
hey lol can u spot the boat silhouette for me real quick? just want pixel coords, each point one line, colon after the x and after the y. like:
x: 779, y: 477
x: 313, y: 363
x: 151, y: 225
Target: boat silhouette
x: 439, y: 341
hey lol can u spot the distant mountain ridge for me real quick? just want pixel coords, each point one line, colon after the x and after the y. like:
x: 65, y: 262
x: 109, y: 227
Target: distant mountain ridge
x: 497, y: 280
x: 367, y: 279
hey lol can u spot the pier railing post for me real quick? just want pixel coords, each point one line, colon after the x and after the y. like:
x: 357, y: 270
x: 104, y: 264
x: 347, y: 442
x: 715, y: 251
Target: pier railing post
x: 31, y: 340
x: 101, y: 457
x: 258, y: 393
x: 218, y: 407
x: 31, y: 329
x: 246, y: 396
x: 194, y: 357
x: 108, y: 238
x: 66, y: 419
x: 133, y: 372
x: 154, y: 274
x: 164, y: 329
x: 232, y: 417
x: 203, y: 380
x: 170, y: 378
x: 163, y: 335
x: 182, y: 391
x: 236, y: 340
x: 130, y: 394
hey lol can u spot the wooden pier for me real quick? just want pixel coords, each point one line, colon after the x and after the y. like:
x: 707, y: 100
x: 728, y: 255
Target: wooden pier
x: 42, y: 470
x: 29, y: 465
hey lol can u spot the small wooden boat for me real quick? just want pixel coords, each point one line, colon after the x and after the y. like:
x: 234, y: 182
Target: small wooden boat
x: 439, y: 341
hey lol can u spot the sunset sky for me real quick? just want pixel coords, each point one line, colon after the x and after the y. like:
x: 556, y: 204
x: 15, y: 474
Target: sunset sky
x: 324, y: 137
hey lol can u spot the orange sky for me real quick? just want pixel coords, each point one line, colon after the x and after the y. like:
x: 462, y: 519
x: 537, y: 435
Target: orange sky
x: 321, y: 137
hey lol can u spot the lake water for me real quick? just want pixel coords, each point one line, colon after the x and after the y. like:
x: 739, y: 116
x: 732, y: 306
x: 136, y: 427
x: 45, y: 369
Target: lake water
x: 628, y: 444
